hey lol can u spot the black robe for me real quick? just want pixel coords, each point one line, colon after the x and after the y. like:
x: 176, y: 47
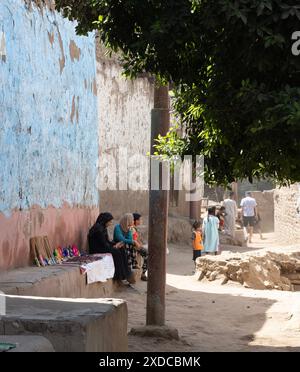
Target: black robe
x: 99, y: 243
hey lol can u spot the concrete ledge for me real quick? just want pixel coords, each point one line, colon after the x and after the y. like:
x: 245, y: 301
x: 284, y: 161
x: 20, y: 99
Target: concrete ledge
x: 71, y: 325
x: 30, y: 344
x: 53, y: 281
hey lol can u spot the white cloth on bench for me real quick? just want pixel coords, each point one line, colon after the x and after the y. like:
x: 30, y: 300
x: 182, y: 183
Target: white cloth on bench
x: 101, y: 270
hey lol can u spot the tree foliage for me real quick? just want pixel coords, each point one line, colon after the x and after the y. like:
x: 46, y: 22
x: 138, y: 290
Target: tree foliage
x: 236, y: 81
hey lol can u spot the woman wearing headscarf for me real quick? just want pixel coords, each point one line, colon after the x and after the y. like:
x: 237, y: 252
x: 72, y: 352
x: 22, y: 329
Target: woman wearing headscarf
x: 123, y: 232
x: 99, y: 243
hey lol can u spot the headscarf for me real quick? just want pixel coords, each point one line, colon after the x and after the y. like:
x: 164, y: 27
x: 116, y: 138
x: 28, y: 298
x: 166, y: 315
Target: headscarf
x: 126, y: 221
x: 103, y: 218
x: 100, y: 224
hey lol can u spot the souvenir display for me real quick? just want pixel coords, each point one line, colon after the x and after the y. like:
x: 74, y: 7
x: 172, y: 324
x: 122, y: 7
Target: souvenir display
x: 44, y: 255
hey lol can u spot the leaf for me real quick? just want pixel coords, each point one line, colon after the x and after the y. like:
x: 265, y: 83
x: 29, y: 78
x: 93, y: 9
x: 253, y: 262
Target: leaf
x: 244, y: 18
x: 269, y: 5
x: 286, y: 14
x: 260, y: 9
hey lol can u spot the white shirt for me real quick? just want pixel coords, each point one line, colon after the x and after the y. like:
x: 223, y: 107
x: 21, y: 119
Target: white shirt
x: 248, y: 205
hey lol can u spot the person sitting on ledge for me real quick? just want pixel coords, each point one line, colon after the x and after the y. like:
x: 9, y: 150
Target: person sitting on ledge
x: 123, y: 232
x: 99, y: 243
x: 141, y: 250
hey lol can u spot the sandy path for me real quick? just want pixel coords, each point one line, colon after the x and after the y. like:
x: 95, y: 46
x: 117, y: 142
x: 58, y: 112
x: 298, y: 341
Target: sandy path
x: 211, y: 317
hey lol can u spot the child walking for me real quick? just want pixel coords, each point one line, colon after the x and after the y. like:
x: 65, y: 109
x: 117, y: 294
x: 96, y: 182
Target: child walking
x: 197, y: 240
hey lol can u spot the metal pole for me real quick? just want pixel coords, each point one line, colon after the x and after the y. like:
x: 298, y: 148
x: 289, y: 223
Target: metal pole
x: 158, y: 219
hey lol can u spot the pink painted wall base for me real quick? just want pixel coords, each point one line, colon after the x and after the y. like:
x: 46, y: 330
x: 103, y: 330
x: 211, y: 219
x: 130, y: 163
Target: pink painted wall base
x: 64, y: 226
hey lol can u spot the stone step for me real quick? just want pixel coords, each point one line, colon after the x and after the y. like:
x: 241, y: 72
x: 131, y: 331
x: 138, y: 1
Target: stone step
x: 93, y: 325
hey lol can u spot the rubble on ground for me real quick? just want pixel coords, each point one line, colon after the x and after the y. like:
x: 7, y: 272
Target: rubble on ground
x: 258, y: 270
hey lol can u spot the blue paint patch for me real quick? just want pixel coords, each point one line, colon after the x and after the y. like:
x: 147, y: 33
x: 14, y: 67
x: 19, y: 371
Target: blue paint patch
x: 48, y: 112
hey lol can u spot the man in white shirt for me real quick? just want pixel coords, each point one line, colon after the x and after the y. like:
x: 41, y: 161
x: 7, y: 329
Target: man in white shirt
x: 231, y: 214
x: 249, y: 209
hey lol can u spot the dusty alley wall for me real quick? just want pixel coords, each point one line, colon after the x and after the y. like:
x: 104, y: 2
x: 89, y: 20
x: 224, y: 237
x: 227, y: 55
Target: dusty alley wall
x: 48, y: 130
x: 124, y: 108
x: 287, y: 213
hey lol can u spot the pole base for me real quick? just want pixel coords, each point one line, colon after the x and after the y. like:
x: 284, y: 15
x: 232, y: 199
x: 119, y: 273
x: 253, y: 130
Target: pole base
x: 166, y: 332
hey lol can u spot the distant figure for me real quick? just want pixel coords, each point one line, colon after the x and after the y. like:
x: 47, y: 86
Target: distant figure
x: 249, y: 205
x: 257, y: 225
x: 231, y: 214
x: 221, y: 214
x: 210, y: 231
x: 197, y: 240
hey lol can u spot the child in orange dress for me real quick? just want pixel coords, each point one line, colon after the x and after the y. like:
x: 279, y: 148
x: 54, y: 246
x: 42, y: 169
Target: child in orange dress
x: 197, y: 240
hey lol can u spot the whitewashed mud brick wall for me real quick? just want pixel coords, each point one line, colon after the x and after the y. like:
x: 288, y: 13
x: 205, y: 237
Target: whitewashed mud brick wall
x: 124, y: 108
x: 265, y: 204
x: 287, y: 220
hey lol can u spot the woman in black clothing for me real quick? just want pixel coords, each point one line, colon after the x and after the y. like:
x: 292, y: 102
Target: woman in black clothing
x: 99, y: 243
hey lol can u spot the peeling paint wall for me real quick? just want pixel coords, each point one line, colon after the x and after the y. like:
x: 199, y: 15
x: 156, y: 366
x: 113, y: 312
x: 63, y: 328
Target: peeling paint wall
x: 48, y: 125
x: 124, y: 108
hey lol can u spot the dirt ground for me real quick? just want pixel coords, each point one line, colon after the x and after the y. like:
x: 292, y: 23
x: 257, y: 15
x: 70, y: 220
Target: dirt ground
x: 214, y: 317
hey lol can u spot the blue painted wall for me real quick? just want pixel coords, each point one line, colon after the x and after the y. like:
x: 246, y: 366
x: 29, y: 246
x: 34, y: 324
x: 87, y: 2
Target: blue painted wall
x: 48, y: 110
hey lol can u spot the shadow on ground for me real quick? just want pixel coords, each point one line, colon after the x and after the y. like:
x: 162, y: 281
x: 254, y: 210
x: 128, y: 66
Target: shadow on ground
x: 209, y: 320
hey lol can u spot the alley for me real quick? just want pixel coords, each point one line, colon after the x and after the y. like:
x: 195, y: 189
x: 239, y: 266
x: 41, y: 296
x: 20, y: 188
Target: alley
x: 211, y: 317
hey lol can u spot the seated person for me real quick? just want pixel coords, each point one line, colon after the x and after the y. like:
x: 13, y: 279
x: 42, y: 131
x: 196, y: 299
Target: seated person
x: 139, y: 245
x: 99, y: 243
x: 123, y: 233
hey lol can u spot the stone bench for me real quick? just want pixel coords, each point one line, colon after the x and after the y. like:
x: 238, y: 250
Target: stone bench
x: 53, y: 281
x: 71, y: 325
x: 67, y: 316
x: 32, y: 344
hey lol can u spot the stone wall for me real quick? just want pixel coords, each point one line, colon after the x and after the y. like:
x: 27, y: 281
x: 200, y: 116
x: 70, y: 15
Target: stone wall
x: 256, y: 185
x: 124, y: 108
x: 48, y: 129
x: 287, y: 220
x: 265, y: 204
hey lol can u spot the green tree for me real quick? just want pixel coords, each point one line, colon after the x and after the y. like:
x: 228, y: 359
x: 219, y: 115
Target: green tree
x: 236, y: 81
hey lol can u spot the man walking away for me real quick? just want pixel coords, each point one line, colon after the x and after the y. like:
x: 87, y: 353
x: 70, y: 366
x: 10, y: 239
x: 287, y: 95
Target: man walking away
x: 249, y: 211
